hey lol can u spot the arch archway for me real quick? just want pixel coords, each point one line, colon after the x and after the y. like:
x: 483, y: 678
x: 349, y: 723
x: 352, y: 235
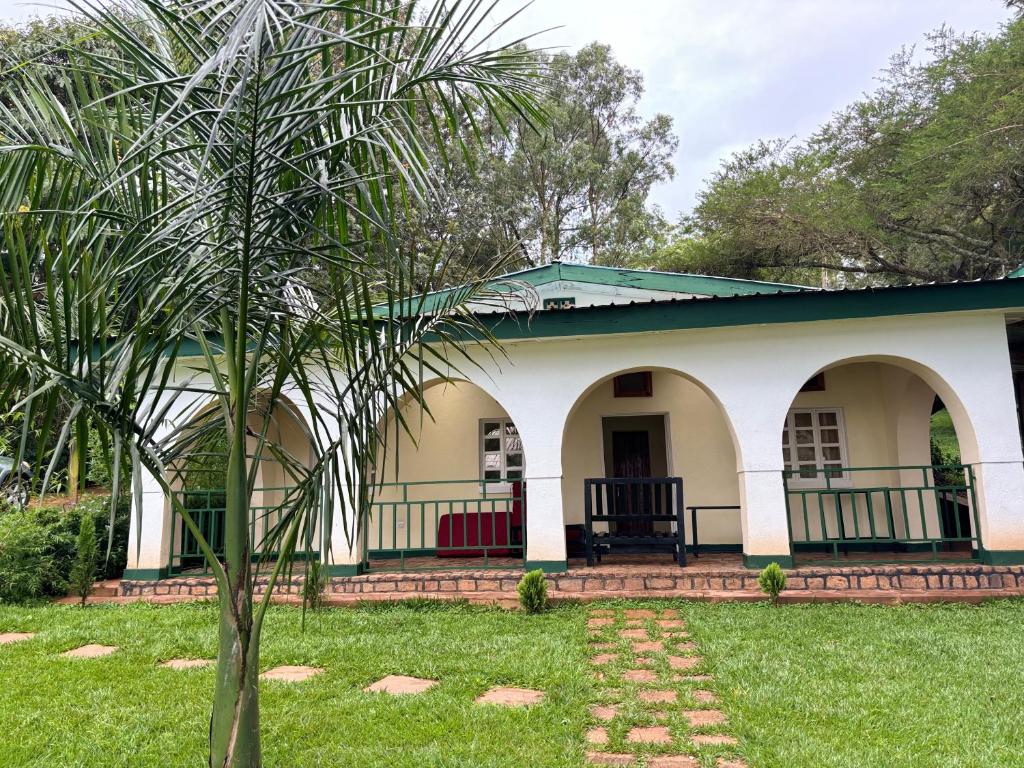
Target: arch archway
x: 858, y: 468
x: 654, y: 422
x: 448, y: 485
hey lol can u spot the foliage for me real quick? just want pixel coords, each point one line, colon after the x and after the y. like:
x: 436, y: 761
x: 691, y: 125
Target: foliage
x: 83, y: 572
x: 27, y: 567
x: 575, y: 188
x: 533, y: 591
x: 945, y: 449
x: 314, y: 585
x: 229, y: 184
x: 920, y: 180
x: 772, y: 581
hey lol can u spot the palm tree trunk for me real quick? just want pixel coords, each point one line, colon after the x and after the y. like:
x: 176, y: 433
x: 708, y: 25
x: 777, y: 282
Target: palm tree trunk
x: 235, y: 721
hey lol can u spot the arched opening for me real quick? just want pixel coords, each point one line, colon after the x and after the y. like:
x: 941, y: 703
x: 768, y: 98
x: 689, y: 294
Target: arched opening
x: 626, y: 442
x: 197, y: 480
x: 449, y: 485
x: 863, y: 478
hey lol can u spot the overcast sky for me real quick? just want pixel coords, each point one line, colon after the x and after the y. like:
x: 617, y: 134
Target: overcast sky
x: 733, y: 71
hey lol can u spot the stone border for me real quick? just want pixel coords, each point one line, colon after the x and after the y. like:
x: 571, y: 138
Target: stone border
x: 935, y: 581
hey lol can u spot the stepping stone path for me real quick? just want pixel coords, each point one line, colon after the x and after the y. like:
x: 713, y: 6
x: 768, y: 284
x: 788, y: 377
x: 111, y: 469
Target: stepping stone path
x: 651, y: 653
x: 400, y: 685
x: 6, y: 638
x: 186, y: 663
x: 290, y: 673
x: 511, y: 697
x: 91, y: 651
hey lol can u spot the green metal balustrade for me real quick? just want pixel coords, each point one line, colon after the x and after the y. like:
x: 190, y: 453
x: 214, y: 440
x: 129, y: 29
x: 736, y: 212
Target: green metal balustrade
x: 440, y: 523
x: 207, y: 509
x: 844, y: 512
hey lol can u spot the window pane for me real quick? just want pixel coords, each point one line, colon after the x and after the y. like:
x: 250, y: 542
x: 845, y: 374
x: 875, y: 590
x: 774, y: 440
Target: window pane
x: 513, y: 443
x: 515, y: 474
x: 828, y: 418
x: 492, y: 461
x: 514, y: 460
x: 492, y: 474
x: 492, y: 443
x: 808, y: 471
x: 802, y: 419
x: 830, y: 436
x: 805, y: 454
x: 492, y: 428
x: 785, y: 454
x: 805, y: 437
x: 831, y: 453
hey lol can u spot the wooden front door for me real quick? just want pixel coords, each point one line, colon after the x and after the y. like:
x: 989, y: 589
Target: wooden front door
x: 631, y: 457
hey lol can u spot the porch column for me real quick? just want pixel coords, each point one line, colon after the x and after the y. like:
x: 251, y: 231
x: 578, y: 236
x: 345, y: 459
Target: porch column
x: 149, y: 557
x: 545, y: 526
x: 345, y: 556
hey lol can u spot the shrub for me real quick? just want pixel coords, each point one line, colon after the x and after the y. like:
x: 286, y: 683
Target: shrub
x: 533, y: 592
x: 83, y: 572
x: 65, y: 525
x: 27, y: 568
x: 772, y: 581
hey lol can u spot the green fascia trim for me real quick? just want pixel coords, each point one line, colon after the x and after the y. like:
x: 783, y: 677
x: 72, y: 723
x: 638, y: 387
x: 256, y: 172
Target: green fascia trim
x: 716, y: 548
x: 760, y: 561
x: 1002, y: 556
x: 1018, y: 272
x: 792, y: 307
x: 144, y: 574
x: 548, y: 566
x: 345, y: 570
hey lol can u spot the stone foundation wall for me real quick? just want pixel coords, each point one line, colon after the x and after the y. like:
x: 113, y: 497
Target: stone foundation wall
x: 580, y: 582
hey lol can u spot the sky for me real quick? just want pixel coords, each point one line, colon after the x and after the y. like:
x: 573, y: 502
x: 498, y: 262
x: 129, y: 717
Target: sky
x: 730, y: 72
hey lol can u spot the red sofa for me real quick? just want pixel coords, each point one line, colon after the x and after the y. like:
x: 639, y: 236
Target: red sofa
x: 482, y: 532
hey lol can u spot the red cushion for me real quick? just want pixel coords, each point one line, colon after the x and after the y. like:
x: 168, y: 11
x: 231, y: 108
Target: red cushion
x: 483, y: 529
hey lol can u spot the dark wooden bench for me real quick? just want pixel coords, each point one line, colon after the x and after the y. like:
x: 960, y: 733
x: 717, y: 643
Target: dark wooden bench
x: 631, y: 506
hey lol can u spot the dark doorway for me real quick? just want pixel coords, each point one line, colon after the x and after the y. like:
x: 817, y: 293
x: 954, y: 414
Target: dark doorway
x: 634, y: 446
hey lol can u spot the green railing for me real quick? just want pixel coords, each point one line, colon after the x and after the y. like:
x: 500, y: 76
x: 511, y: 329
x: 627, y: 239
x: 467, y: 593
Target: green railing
x: 842, y: 511
x: 438, y: 522
x: 207, y: 509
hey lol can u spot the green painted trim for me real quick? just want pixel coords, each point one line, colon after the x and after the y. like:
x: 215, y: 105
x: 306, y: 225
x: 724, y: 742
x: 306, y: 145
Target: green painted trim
x: 761, y: 309
x: 345, y: 570
x: 1018, y: 272
x: 144, y: 574
x: 716, y: 548
x: 391, y: 554
x: 1002, y: 556
x: 760, y: 561
x: 548, y: 566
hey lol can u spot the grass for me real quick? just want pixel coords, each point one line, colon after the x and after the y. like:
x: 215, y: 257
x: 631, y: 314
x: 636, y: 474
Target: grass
x: 817, y: 686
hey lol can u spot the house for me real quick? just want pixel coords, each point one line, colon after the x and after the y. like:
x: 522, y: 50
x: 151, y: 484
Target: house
x: 791, y: 424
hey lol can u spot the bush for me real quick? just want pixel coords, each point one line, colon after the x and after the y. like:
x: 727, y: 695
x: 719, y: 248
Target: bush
x: 772, y: 581
x: 27, y: 567
x: 83, y: 572
x: 314, y: 585
x: 66, y: 524
x: 533, y: 592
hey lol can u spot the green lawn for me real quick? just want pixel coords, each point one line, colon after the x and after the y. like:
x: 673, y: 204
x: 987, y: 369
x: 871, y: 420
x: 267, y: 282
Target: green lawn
x: 944, y: 435
x: 812, y: 686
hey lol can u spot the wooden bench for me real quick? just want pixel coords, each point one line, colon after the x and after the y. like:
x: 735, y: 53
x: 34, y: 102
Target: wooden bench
x: 631, y: 506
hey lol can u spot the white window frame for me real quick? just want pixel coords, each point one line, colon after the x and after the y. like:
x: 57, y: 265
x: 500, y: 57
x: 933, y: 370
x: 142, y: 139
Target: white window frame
x: 503, y: 486
x: 818, y: 481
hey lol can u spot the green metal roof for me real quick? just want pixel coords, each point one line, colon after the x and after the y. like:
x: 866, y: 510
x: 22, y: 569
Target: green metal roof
x: 670, y: 282
x: 1018, y: 272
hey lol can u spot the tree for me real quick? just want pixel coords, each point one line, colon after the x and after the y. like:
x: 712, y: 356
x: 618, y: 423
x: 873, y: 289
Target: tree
x: 576, y: 189
x: 83, y: 572
x: 231, y: 179
x: 921, y: 180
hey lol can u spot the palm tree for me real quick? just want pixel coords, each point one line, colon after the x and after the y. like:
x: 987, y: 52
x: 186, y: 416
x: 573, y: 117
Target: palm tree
x: 229, y: 179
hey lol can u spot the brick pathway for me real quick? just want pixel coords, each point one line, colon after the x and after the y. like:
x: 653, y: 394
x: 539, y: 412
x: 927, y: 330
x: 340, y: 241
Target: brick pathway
x: 657, y: 707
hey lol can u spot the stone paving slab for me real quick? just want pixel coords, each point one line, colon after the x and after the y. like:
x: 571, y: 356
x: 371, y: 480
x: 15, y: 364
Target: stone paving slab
x: 6, y: 638
x: 673, y: 761
x: 400, y: 685
x: 698, y: 718
x: 705, y: 697
x: 640, y: 613
x: 511, y: 697
x: 604, y: 658
x: 647, y: 646
x: 650, y: 734
x: 639, y: 676
x: 90, y: 651
x: 604, y: 712
x: 610, y: 758
x: 291, y: 673
x: 658, y: 697
x: 186, y: 663
x: 726, y: 762
x: 633, y: 634
x: 683, y: 662
x: 597, y: 735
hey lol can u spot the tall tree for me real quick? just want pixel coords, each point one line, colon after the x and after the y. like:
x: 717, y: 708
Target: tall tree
x: 921, y: 180
x: 232, y: 178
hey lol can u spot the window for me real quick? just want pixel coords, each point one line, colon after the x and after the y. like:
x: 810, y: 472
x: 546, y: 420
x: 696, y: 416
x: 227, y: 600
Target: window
x: 813, y: 444
x: 560, y: 302
x: 634, y: 385
x: 501, y: 451
x: 814, y: 384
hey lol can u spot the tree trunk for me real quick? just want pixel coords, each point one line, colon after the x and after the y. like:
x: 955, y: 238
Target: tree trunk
x: 235, y: 722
